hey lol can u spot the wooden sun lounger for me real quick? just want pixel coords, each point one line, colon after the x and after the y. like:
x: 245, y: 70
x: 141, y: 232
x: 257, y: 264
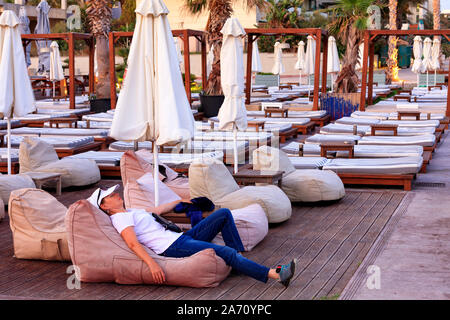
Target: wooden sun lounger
x: 322, y: 121
x: 65, y: 152
x: 291, y: 133
x: 404, y: 180
x: 427, y: 155
x: 305, y: 128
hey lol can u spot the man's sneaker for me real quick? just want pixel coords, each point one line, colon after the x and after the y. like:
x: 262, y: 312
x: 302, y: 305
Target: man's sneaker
x: 286, y: 272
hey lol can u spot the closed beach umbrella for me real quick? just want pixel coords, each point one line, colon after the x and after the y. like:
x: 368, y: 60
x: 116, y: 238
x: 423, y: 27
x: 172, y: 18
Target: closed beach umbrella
x: 417, y: 51
x: 209, y: 60
x: 360, y: 57
x: 333, y: 64
x: 256, y: 59
x: 153, y: 104
x: 427, y: 64
x: 179, y: 55
x: 56, y: 69
x: 435, y: 53
x: 278, y: 67
x: 16, y: 95
x: 43, y: 27
x: 24, y: 28
x: 310, y: 59
x: 232, y: 113
x: 300, y: 63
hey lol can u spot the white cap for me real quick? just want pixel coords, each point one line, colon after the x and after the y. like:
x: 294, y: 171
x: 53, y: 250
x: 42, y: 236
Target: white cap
x: 96, y: 198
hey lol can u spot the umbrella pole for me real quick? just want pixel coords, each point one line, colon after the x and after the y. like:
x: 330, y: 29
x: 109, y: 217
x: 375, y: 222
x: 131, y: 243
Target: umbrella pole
x: 427, y: 78
x: 8, y: 120
x: 53, y: 89
x: 235, y: 148
x: 156, y: 172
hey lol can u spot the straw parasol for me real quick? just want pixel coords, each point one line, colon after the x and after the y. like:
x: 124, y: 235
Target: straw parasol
x: 153, y: 104
x: 232, y: 113
x: 16, y: 94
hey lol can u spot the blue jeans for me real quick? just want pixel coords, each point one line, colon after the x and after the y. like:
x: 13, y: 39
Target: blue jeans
x: 199, y: 237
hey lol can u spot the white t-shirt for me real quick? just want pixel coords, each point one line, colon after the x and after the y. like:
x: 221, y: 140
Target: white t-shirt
x: 148, y: 231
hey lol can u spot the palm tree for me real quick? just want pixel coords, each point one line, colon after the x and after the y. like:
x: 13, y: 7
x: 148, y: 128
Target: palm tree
x: 349, y: 20
x: 392, y: 61
x: 219, y: 12
x: 99, y: 16
x: 436, y: 14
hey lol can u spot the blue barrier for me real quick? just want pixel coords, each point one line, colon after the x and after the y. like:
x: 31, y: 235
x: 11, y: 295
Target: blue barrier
x: 337, y: 107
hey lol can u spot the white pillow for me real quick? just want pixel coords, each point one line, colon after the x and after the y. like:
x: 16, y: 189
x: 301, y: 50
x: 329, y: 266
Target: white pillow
x: 147, y: 184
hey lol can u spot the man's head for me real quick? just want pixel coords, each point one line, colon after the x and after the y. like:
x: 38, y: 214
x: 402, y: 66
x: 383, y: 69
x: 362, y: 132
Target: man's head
x: 109, y: 201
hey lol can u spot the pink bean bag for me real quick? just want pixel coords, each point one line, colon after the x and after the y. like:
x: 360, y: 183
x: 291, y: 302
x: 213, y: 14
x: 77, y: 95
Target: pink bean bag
x: 101, y: 255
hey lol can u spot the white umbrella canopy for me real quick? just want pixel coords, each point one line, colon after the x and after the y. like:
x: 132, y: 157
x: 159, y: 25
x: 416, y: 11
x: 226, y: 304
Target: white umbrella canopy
x: 25, y: 29
x: 278, y: 67
x: 179, y: 55
x: 427, y: 63
x: 333, y: 63
x: 417, y: 66
x: 153, y: 104
x: 16, y: 94
x: 56, y: 69
x: 300, y: 63
x: 43, y: 27
x: 232, y: 113
x: 256, y: 59
x: 310, y: 59
x: 435, y: 53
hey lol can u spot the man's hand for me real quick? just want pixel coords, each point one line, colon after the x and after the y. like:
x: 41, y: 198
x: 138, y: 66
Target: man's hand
x: 157, y: 273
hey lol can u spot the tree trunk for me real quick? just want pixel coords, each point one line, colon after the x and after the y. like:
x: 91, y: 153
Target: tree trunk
x: 347, y: 80
x: 219, y: 12
x: 103, y: 84
x: 436, y: 16
x: 392, y: 61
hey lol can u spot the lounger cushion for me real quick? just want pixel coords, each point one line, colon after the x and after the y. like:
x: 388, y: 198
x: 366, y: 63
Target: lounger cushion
x: 425, y: 140
x: 210, y: 178
x: 9, y: 183
x: 37, y: 155
x: 37, y: 225
x: 308, y: 162
x: 401, y: 165
x: 252, y: 226
x: 102, y: 255
x: 359, y: 121
x: 326, y: 138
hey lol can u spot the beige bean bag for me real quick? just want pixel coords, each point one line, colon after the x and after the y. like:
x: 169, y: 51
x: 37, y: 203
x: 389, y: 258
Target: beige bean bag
x: 37, y: 155
x: 9, y: 183
x: 210, y: 178
x: 305, y: 185
x: 252, y: 226
x: 133, y: 165
x: 36, y: 219
x: 102, y: 255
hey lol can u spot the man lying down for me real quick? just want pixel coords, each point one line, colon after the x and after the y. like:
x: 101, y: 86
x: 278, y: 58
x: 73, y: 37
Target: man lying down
x: 139, y: 228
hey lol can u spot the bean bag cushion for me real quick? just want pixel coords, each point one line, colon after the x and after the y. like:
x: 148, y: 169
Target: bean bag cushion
x: 2, y: 210
x: 37, y: 224
x: 102, y: 255
x: 305, y: 185
x: 210, y: 178
x: 9, y: 183
x: 37, y: 155
x: 134, y: 165
x: 252, y: 226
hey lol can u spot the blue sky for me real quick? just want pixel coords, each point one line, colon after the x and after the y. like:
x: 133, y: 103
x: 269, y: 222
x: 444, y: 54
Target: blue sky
x: 445, y: 5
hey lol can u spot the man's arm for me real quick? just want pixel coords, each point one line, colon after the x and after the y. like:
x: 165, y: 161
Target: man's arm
x: 167, y: 207
x: 129, y: 236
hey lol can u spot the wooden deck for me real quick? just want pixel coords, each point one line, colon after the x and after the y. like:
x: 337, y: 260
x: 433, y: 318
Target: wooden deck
x: 329, y: 241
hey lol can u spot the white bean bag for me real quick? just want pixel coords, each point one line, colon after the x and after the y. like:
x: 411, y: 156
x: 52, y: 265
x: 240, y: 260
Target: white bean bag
x: 210, y: 178
x: 9, y: 183
x: 305, y: 185
x: 37, y: 224
x: 252, y: 226
x: 36, y: 155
